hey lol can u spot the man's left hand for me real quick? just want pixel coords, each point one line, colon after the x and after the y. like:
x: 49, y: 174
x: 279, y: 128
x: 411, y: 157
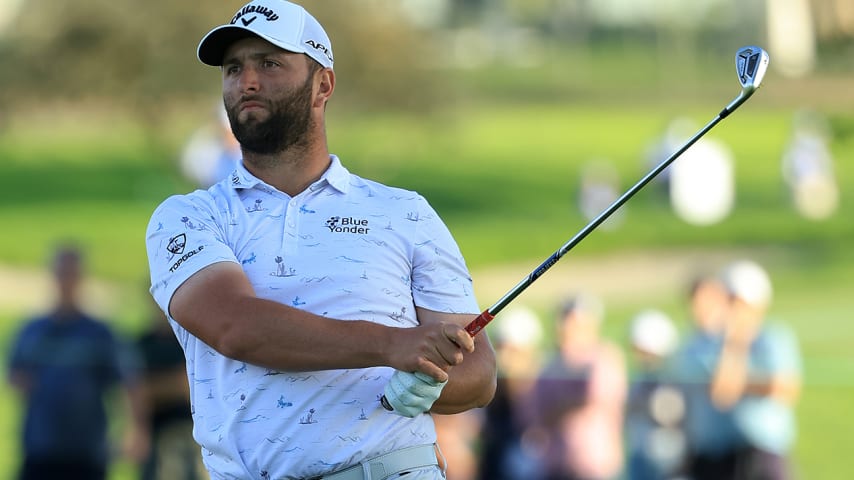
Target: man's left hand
x: 410, y: 394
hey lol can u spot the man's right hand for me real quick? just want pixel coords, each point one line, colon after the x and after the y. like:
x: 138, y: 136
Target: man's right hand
x: 430, y: 348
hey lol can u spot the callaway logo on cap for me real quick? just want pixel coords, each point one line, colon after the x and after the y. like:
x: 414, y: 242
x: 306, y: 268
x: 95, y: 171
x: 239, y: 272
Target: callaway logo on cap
x: 284, y: 24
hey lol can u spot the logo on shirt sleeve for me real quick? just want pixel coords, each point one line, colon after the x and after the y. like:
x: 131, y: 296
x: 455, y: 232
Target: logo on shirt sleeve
x: 177, y: 244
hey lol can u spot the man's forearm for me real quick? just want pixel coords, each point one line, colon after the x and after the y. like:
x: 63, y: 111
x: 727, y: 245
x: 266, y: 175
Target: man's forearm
x: 784, y: 388
x: 730, y: 378
x: 218, y: 305
x: 276, y: 336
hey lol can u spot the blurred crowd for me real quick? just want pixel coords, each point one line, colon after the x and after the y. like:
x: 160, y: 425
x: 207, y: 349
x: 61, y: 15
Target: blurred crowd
x: 67, y: 366
x: 714, y: 402
x: 700, y: 185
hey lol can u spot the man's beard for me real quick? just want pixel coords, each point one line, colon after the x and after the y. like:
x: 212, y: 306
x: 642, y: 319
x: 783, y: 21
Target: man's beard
x: 288, y: 124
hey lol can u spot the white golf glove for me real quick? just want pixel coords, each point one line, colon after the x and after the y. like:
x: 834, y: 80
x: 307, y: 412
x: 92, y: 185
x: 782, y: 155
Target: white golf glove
x: 409, y: 394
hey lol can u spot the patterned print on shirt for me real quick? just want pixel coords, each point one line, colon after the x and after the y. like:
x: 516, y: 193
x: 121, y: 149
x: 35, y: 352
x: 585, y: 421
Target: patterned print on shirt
x: 308, y: 418
x: 257, y: 207
x: 281, y: 270
x: 191, y: 226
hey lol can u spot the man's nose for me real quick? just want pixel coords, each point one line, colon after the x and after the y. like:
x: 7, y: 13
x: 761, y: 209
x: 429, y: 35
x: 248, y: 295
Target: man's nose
x: 248, y: 81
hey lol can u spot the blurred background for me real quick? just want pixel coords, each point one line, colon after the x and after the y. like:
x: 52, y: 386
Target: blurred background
x: 517, y: 119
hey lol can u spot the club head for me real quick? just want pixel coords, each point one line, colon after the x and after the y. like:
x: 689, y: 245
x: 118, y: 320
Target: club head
x: 750, y: 64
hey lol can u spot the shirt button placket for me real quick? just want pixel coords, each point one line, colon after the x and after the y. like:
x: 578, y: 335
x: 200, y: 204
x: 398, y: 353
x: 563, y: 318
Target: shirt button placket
x: 291, y: 227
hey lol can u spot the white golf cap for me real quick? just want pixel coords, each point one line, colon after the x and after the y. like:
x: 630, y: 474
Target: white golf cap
x: 748, y: 281
x: 518, y: 326
x: 652, y: 331
x: 284, y: 24
x: 591, y: 306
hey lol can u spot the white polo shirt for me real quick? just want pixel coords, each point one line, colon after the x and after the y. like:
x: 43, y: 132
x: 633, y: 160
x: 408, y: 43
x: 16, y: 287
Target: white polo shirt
x: 346, y: 248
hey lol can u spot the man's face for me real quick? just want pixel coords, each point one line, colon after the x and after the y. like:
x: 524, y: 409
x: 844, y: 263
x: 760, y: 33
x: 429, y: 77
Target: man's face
x: 708, y: 305
x: 267, y: 93
x: 68, y: 273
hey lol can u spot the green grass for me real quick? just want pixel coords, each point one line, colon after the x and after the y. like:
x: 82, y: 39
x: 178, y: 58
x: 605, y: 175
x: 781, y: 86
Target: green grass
x: 516, y: 169
x: 505, y: 180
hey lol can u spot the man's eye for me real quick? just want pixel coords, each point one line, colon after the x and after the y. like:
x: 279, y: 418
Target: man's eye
x: 231, y: 69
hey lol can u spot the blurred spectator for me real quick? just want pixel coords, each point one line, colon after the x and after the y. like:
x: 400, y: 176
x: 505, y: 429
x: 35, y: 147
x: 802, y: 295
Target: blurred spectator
x: 580, y: 398
x: 211, y: 153
x: 711, y: 433
x: 700, y: 183
x: 744, y: 376
x: 655, y: 438
x: 505, y: 454
x: 708, y: 304
x: 64, y: 364
x: 758, y: 375
x: 808, y: 167
x: 174, y: 454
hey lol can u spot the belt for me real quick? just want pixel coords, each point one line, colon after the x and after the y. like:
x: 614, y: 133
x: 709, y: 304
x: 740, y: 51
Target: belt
x: 398, y: 461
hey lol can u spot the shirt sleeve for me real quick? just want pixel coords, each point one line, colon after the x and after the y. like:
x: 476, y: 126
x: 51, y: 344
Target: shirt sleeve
x: 184, y: 236
x: 440, y: 277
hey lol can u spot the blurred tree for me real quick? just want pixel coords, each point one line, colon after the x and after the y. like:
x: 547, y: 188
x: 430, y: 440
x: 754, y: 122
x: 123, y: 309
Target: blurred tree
x: 382, y: 60
x: 141, y: 56
x: 126, y: 54
x: 834, y: 19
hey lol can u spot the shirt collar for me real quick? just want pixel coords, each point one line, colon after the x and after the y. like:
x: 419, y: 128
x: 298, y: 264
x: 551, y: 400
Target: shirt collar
x: 241, y: 178
x: 335, y: 176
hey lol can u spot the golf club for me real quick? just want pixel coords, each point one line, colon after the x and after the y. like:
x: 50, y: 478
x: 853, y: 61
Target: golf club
x: 750, y: 64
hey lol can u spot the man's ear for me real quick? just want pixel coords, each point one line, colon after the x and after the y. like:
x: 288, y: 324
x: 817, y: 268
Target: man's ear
x: 326, y: 85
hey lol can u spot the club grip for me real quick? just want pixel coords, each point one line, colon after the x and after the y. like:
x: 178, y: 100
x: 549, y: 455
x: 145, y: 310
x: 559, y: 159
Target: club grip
x: 478, y: 323
x: 473, y: 328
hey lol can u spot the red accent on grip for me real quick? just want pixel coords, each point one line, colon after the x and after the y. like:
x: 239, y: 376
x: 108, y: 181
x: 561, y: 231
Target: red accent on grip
x: 478, y: 323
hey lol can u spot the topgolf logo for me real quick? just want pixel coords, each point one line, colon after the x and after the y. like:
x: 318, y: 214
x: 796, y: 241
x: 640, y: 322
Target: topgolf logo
x: 177, y: 243
x: 176, y: 246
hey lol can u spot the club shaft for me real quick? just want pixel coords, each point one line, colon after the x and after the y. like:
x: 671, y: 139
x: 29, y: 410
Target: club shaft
x: 750, y: 75
x: 484, y: 318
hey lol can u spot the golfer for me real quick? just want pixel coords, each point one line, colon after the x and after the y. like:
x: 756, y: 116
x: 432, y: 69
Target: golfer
x: 302, y: 293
